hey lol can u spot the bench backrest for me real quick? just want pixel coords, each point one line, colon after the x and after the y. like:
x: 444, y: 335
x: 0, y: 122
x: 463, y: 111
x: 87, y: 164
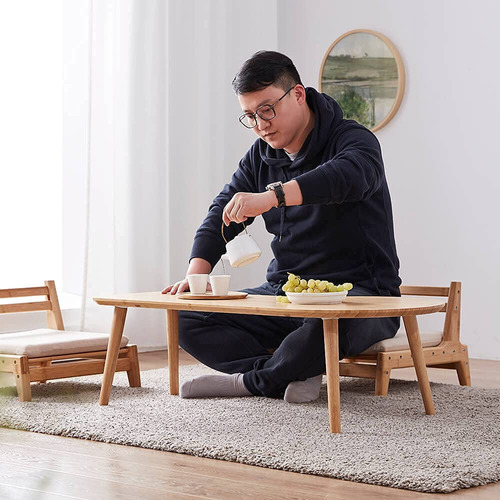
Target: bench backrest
x: 451, y: 330
x: 51, y: 304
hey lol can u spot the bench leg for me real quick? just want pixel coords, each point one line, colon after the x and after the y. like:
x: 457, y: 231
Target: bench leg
x: 23, y: 387
x: 382, y: 380
x: 134, y: 374
x: 463, y: 371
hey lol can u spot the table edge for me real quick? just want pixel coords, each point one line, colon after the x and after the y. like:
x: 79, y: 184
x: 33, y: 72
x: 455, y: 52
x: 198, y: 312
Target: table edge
x: 206, y: 306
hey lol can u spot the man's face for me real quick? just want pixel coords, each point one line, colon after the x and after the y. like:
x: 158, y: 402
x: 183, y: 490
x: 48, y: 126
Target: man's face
x: 283, y: 128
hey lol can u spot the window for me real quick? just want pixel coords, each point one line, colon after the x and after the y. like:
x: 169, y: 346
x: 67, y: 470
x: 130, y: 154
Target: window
x: 31, y: 142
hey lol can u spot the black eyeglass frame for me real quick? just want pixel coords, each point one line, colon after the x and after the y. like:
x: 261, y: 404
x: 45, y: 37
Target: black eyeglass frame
x: 245, y: 116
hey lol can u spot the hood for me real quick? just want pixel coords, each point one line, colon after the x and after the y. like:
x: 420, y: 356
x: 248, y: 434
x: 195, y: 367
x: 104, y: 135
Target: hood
x: 327, y: 117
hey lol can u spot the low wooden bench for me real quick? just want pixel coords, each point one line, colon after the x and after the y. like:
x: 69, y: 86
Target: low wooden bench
x: 442, y: 349
x: 54, y: 353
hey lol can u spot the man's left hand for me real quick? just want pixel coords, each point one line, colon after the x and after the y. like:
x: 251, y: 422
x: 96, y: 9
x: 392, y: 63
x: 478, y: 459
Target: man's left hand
x: 245, y: 205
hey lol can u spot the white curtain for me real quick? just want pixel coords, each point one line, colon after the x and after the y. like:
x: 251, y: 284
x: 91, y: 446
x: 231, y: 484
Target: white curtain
x: 151, y: 136
x: 116, y: 196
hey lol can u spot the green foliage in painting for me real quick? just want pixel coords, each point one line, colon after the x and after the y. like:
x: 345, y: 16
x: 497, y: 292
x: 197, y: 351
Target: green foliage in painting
x: 355, y: 107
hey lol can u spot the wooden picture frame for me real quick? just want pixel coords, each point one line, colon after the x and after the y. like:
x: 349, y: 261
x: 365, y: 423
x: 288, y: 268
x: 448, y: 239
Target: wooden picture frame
x: 401, y: 77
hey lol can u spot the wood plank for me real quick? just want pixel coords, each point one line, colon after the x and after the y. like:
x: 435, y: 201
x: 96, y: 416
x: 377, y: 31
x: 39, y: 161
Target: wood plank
x: 446, y: 352
x: 21, y: 493
x: 451, y: 329
x: 155, y: 359
x: 24, y: 292
x: 93, y: 354
x: 42, y: 305
x: 363, y: 358
x: 432, y: 291
x: 265, y: 305
x: 8, y: 363
x: 74, y: 369
x: 55, y: 480
x: 354, y: 370
x: 54, y: 316
x: 174, y: 473
x: 484, y: 373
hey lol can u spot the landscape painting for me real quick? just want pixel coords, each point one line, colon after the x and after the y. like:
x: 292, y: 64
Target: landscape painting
x: 361, y: 74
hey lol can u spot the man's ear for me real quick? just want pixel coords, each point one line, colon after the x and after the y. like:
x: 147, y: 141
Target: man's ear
x: 300, y: 94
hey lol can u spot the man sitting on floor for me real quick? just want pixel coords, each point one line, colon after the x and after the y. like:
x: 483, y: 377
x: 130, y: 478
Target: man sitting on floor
x: 318, y: 181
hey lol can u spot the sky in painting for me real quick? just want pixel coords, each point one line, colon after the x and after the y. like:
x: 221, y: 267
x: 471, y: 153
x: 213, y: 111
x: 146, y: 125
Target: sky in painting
x: 361, y: 45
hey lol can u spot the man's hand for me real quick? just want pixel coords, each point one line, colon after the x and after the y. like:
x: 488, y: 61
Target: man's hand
x: 196, y: 266
x: 181, y: 286
x: 245, y: 205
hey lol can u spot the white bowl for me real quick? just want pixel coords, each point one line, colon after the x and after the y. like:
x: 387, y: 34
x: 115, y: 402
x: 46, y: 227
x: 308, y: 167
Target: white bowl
x: 316, y: 298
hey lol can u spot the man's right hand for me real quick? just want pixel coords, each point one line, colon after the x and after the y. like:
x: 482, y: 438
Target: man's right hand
x: 196, y: 266
x: 180, y: 286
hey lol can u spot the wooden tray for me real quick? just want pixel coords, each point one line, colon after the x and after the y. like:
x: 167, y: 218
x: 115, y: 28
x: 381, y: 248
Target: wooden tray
x: 211, y: 296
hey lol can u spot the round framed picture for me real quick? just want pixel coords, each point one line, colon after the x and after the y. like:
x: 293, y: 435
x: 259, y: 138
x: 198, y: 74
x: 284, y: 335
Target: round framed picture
x: 363, y: 71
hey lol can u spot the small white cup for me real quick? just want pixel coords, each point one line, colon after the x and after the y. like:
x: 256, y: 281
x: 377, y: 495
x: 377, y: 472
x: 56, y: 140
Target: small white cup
x: 242, y: 250
x: 197, y: 283
x: 220, y: 283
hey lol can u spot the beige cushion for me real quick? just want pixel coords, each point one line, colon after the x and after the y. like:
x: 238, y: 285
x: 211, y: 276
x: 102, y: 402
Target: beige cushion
x: 47, y: 342
x: 400, y: 342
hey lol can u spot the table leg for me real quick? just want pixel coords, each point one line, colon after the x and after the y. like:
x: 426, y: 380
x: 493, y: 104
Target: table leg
x: 173, y: 350
x: 417, y: 354
x: 331, y: 333
x: 115, y: 338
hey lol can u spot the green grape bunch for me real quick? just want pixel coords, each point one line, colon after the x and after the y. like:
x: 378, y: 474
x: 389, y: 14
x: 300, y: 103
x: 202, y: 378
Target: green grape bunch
x: 297, y: 285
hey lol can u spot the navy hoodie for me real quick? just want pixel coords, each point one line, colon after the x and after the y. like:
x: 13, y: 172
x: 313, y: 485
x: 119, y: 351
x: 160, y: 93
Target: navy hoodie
x: 343, y: 231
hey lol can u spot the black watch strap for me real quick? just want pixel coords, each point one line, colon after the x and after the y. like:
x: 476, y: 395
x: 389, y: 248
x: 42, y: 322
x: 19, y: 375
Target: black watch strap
x: 277, y: 187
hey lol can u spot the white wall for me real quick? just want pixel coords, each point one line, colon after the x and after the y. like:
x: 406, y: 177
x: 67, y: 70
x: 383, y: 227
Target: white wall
x: 441, y: 149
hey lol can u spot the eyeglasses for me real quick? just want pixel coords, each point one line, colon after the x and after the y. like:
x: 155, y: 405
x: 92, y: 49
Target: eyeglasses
x: 266, y: 112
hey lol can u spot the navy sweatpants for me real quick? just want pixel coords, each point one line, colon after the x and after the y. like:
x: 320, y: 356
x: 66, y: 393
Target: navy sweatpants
x: 240, y: 343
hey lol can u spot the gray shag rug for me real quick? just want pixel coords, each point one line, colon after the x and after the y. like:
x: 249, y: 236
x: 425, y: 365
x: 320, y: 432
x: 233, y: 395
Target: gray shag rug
x: 387, y: 441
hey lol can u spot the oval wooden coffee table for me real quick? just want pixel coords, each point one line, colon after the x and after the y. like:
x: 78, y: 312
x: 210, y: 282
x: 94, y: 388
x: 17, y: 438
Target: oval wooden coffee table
x: 264, y: 305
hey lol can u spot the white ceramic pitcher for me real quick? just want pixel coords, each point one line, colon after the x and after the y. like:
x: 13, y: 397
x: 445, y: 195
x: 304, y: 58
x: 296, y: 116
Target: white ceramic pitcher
x: 242, y: 250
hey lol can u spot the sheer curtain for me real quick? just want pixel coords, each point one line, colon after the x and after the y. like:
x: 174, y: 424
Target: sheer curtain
x: 150, y: 137
x: 116, y: 192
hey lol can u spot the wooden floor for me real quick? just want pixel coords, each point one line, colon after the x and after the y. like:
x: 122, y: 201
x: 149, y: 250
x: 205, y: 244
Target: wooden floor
x: 38, y: 466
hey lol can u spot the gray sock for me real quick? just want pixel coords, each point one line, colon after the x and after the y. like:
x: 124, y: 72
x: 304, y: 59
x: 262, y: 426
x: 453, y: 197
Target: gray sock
x: 215, y: 386
x: 302, y: 391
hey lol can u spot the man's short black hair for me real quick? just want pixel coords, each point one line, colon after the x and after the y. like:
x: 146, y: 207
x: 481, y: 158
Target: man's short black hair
x: 266, y: 68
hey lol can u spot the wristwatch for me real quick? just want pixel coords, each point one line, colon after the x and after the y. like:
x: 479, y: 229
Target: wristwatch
x: 277, y: 187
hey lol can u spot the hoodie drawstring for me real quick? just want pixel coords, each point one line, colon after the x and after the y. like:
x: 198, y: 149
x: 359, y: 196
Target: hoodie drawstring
x: 282, y: 220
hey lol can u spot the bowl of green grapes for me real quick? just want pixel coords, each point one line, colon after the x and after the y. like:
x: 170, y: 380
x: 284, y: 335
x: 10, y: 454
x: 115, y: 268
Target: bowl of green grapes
x: 311, y: 291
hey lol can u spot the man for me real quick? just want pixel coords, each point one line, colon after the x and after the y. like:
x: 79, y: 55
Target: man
x: 318, y: 181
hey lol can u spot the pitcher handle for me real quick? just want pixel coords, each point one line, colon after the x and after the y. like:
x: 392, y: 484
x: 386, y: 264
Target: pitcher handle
x: 222, y: 230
